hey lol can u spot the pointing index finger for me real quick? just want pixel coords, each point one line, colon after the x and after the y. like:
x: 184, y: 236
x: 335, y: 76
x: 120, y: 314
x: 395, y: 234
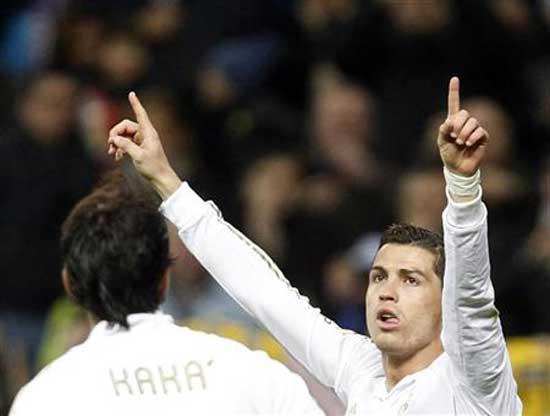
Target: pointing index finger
x: 139, y: 111
x: 453, y: 104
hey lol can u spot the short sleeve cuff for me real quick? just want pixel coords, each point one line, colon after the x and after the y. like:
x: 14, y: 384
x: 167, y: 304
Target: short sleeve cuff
x: 184, y: 207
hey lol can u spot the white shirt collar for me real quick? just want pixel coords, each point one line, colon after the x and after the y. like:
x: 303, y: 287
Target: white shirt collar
x: 103, y: 329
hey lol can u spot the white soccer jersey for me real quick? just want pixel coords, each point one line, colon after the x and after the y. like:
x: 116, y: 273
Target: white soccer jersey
x: 472, y: 377
x: 158, y: 368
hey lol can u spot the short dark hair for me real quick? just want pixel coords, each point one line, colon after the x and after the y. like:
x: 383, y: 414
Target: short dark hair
x: 115, y: 250
x: 408, y: 234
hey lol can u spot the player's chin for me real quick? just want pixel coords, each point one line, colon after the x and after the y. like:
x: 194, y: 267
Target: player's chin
x: 388, y: 342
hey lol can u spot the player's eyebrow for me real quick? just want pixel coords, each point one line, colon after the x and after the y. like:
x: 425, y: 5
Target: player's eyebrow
x: 413, y: 271
x: 378, y: 269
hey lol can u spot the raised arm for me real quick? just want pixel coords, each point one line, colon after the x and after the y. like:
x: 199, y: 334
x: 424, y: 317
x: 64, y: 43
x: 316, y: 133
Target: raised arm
x: 243, y: 269
x: 472, y: 334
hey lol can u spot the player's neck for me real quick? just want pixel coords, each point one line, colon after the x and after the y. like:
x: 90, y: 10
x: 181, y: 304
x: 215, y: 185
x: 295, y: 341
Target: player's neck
x: 398, y: 367
x: 92, y: 320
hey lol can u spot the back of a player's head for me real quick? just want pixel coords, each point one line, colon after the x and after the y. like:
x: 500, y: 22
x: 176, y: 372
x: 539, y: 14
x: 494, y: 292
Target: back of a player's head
x: 115, y: 251
x: 407, y: 234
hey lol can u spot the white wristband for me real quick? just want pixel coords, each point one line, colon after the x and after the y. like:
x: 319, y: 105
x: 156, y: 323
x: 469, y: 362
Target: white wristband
x: 463, y: 186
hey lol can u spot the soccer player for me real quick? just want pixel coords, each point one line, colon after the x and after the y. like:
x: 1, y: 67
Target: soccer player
x: 437, y: 345
x: 136, y: 361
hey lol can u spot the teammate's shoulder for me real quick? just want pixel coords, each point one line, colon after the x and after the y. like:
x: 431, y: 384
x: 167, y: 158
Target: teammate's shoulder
x: 58, y: 370
x: 216, y: 341
x: 51, y: 383
x: 239, y: 352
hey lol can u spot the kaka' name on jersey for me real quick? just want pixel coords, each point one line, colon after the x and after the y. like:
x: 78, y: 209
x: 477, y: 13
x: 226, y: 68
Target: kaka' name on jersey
x: 160, y: 379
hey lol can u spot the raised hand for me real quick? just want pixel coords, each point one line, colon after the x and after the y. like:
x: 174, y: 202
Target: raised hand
x: 462, y: 141
x: 141, y: 142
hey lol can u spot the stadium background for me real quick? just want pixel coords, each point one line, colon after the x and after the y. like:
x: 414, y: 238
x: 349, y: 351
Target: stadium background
x: 312, y: 125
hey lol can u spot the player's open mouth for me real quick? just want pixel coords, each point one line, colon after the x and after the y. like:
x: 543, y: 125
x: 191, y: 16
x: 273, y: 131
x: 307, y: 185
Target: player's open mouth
x: 386, y: 319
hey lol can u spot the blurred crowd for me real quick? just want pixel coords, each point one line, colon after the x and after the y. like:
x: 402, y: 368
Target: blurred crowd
x: 311, y: 123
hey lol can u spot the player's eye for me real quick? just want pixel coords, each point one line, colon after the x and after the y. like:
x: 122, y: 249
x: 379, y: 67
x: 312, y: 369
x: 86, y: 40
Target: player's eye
x: 411, y: 281
x: 376, y: 277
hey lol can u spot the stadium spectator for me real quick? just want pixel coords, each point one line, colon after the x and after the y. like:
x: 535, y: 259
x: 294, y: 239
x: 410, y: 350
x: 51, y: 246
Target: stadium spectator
x: 44, y: 169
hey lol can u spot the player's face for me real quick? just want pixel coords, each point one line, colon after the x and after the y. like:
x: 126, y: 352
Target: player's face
x: 403, y: 300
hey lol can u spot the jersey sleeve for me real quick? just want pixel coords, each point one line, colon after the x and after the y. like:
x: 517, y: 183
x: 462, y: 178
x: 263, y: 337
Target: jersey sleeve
x: 255, y: 282
x: 472, y: 333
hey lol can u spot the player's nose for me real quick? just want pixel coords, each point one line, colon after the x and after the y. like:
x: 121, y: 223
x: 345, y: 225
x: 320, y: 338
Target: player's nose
x: 388, y: 292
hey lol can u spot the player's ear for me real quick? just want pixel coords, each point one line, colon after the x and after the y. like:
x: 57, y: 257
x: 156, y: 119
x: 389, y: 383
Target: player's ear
x: 66, y: 282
